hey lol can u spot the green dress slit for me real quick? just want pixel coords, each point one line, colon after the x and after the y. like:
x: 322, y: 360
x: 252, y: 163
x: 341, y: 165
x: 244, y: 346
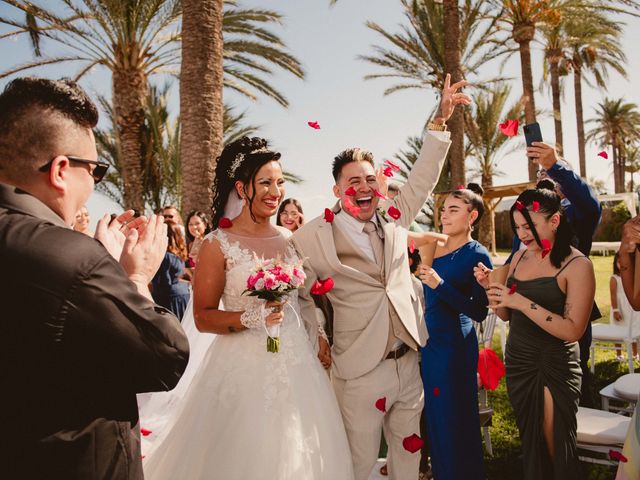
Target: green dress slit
x: 535, y: 359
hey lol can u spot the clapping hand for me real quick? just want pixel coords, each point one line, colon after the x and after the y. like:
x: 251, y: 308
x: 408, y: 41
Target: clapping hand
x: 113, y: 235
x: 144, y: 250
x: 450, y: 99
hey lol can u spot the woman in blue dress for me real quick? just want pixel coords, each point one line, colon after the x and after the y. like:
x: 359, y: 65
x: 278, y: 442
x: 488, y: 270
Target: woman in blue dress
x: 450, y: 359
x: 169, y: 287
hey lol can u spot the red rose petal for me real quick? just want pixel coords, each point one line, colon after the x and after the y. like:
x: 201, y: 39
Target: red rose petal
x: 535, y: 206
x: 388, y: 172
x: 604, y: 155
x: 615, y: 455
x: 145, y: 432
x: 328, y: 215
x: 436, y: 391
x: 412, y: 246
x: 519, y: 205
x: 392, y: 165
x: 509, y: 128
x: 490, y: 368
x: 513, y: 289
x: 381, y: 404
x: 379, y: 194
x: 322, y: 287
x: 394, y: 212
x: 350, y: 191
x: 412, y: 443
x: 314, y: 125
x: 461, y: 187
x: 225, y: 223
x: 353, y: 208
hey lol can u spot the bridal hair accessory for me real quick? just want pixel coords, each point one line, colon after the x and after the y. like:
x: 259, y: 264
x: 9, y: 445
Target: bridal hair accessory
x: 519, y: 205
x: 535, y: 206
x: 272, y: 280
x: 235, y: 164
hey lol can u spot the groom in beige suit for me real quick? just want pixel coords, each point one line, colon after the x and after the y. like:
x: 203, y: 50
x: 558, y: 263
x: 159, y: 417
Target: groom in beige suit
x: 377, y: 327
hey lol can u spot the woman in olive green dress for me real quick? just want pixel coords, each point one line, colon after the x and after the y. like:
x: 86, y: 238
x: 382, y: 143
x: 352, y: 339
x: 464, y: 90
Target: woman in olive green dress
x: 548, y: 298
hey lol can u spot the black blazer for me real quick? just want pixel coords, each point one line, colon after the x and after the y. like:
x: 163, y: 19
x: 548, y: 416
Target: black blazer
x: 77, y: 343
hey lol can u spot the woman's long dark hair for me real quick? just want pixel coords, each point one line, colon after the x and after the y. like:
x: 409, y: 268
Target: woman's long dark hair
x: 283, y: 205
x: 239, y: 161
x: 203, y: 217
x: 548, y: 205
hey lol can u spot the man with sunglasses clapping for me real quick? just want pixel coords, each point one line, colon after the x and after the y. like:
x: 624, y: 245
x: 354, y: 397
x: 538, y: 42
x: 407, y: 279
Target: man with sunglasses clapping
x: 81, y: 334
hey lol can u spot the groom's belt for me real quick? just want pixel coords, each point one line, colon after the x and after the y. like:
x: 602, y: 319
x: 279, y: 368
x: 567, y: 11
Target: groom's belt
x: 398, y: 352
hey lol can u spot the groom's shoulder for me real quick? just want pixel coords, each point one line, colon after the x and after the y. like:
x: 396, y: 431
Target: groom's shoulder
x: 307, y: 231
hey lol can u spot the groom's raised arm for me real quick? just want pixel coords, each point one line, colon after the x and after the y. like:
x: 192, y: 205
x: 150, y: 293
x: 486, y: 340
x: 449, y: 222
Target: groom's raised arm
x: 426, y: 171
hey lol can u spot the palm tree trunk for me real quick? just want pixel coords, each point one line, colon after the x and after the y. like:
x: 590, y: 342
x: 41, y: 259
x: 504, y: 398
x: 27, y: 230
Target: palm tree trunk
x: 201, y: 108
x: 452, y: 65
x: 129, y: 93
x: 487, y: 227
x: 523, y: 34
x: 557, y: 104
x: 617, y: 185
x: 577, y: 87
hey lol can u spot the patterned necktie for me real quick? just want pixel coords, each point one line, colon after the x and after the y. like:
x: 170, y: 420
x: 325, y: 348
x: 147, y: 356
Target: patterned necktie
x: 376, y: 242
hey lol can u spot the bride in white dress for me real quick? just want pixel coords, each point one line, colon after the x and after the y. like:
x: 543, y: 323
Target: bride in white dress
x: 249, y: 413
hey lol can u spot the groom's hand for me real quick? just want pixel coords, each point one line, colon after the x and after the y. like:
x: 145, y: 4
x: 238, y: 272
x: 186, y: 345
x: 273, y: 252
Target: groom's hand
x: 449, y: 99
x: 324, y: 352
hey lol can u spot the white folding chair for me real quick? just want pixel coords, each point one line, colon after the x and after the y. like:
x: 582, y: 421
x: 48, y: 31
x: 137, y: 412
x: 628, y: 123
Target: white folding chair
x: 484, y: 332
x: 599, y: 432
x: 606, y: 335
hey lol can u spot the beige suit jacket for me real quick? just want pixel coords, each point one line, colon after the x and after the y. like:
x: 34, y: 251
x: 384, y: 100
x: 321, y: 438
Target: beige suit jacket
x: 360, y: 302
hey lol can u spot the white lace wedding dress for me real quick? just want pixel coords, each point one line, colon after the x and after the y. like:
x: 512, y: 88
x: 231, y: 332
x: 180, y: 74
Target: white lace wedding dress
x: 250, y: 414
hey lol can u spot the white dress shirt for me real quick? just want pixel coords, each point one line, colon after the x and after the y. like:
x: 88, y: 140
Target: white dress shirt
x: 354, y: 229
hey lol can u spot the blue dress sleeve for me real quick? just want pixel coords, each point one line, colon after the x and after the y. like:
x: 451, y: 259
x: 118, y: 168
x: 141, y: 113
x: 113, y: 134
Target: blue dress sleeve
x: 475, y: 305
x: 578, y: 192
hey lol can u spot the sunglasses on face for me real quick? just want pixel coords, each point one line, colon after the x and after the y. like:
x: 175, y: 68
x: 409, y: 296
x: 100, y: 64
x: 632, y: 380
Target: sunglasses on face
x: 98, y: 173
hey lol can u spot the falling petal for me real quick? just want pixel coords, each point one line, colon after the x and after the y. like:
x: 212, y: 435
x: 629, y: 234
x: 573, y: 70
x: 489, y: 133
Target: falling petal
x: 378, y: 193
x: 436, y: 391
x: 412, y: 246
x: 145, y: 433
x: 388, y: 172
x: 519, y: 205
x: 509, y: 128
x: 604, y: 155
x: 394, y: 212
x: 328, y: 215
x: 615, y: 455
x: 314, y: 125
x: 461, y: 187
x: 513, y: 288
x: 392, y: 165
x: 535, y: 206
x: 412, y: 443
x: 353, y: 209
x: 350, y: 191
x: 381, y: 404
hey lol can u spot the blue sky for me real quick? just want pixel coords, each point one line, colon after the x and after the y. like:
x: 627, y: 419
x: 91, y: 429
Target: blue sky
x: 352, y: 111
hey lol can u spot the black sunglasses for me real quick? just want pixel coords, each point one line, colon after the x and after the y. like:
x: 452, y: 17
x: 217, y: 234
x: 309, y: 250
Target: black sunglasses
x: 98, y: 172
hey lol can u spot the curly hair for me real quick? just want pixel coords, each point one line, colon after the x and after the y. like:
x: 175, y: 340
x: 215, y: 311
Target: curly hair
x: 32, y: 121
x: 239, y: 161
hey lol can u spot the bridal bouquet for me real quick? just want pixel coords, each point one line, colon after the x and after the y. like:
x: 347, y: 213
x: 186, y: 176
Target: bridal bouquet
x: 272, y: 280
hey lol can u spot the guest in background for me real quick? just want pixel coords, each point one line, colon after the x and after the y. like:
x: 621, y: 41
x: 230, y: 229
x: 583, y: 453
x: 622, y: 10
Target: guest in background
x: 547, y: 299
x: 626, y: 255
x: 582, y: 211
x: 172, y: 215
x: 81, y: 223
x: 449, y: 364
x: 290, y: 215
x: 621, y: 312
x: 197, y: 227
x: 170, y: 289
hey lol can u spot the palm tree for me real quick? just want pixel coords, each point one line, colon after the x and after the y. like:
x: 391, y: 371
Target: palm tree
x: 451, y: 25
x: 616, y: 122
x: 632, y: 162
x: 135, y: 40
x: 161, y: 167
x: 201, y: 103
x: 594, y: 47
x: 487, y: 144
x: 419, y: 58
x: 555, y: 68
x: 521, y: 17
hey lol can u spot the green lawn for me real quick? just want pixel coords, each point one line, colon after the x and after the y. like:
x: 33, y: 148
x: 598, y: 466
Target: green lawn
x: 506, y: 463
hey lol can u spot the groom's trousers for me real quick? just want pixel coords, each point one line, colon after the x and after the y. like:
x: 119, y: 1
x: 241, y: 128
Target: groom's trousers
x: 400, y: 383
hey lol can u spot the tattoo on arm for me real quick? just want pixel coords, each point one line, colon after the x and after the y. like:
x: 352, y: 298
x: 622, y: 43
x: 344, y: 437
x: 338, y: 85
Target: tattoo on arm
x: 534, y: 306
x: 567, y: 310
x: 549, y: 318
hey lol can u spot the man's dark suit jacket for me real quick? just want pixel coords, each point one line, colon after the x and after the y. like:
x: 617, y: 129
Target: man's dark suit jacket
x: 78, y: 343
